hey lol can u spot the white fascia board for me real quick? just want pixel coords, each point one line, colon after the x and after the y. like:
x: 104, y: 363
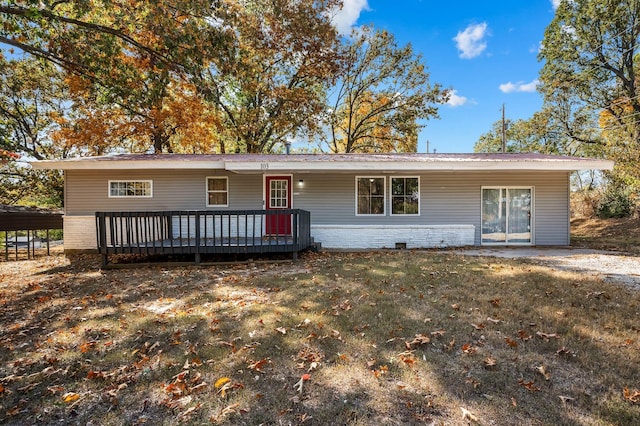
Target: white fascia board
x: 351, y: 166
x: 125, y: 165
x: 311, y: 166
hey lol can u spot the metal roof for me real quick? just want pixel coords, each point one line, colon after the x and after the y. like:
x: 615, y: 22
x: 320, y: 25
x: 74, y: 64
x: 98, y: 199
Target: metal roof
x: 247, y: 163
x: 20, y: 218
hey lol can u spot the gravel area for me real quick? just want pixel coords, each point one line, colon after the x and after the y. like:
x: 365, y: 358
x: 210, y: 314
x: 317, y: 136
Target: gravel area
x: 612, y: 266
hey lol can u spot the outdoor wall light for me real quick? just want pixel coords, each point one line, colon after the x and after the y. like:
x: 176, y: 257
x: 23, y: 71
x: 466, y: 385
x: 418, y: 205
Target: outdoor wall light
x: 301, y: 182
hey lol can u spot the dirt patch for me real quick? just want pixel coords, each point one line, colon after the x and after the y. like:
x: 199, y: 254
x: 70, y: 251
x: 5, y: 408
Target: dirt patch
x: 598, y: 264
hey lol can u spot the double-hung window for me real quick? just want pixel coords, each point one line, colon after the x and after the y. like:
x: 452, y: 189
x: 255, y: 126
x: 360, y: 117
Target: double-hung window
x: 405, y: 196
x: 217, y: 192
x: 130, y: 188
x: 370, y: 196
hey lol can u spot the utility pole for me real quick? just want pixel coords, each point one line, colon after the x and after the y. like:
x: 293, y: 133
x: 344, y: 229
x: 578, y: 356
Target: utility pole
x: 504, y: 132
x: 427, y: 146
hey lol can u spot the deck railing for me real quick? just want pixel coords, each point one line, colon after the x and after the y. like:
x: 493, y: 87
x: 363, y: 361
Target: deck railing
x: 200, y: 232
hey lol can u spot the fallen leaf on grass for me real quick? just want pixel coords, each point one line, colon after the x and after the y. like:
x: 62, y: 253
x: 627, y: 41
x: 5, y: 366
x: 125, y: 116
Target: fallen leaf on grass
x: 565, y: 399
x: 542, y: 370
x: 490, y: 362
x: 199, y: 388
x: 281, y: 330
x: 564, y: 351
x: 478, y: 326
x: 529, y: 385
x: 222, y: 384
x: 380, y: 371
x: 523, y: 335
x: 299, y: 383
x: 86, y: 347
x: 512, y: 343
x: 468, y: 349
x: 438, y: 333
x: 258, y: 365
x: 633, y: 397
x: 546, y: 336
x: 70, y: 397
x: 226, y: 411
x: 408, y: 358
x: 468, y: 415
x: 188, y: 412
x: 419, y: 339
x: 597, y: 294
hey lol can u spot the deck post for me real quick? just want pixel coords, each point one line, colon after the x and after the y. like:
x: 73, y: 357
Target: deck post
x: 197, y: 248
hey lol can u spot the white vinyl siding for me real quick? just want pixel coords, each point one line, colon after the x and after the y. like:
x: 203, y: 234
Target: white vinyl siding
x: 446, y: 198
x: 130, y: 188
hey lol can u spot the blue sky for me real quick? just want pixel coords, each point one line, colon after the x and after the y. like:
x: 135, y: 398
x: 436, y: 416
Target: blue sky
x: 484, y: 50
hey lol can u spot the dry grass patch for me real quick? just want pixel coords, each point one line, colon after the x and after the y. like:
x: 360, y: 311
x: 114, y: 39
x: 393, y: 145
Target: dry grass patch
x: 369, y: 338
x: 607, y: 234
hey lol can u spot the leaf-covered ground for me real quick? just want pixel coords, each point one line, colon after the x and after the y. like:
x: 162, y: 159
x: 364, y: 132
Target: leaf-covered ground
x: 394, y: 338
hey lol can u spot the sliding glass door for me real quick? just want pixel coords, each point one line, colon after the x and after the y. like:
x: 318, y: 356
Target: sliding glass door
x: 506, y: 215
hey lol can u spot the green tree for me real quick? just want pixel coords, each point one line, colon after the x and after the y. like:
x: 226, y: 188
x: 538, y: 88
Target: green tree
x: 271, y: 83
x: 541, y: 133
x: 32, y: 99
x: 382, y: 96
x: 590, y: 73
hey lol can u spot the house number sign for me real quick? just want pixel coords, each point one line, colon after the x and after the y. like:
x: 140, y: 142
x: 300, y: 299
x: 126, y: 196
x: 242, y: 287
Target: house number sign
x: 264, y: 166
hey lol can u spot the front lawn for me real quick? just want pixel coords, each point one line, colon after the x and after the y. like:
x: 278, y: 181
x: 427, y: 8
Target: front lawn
x: 406, y: 337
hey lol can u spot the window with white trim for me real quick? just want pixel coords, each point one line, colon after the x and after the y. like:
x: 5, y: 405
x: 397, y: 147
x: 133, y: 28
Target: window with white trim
x: 130, y: 188
x: 370, y: 195
x: 217, y: 192
x: 405, y: 196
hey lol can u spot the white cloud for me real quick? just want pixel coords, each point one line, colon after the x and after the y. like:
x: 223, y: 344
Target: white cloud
x: 536, y: 49
x: 456, y: 100
x: 345, y: 18
x: 555, y: 3
x: 519, y: 86
x: 470, y: 42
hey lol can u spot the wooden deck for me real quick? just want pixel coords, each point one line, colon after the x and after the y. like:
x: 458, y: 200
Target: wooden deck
x: 202, y: 232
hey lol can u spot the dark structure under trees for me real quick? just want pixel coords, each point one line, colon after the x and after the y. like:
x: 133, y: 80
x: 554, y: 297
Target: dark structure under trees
x: 29, y: 220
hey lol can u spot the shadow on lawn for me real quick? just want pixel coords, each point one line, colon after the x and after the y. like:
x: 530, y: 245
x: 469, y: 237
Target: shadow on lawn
x: 148, y: 344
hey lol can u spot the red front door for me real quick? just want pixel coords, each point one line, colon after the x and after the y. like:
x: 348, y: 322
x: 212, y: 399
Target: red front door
x: 278, y: 197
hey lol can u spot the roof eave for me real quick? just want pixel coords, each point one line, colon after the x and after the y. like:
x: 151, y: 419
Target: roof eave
x: 558, y: 165
x: 324, y: 166
x: 125, y: 165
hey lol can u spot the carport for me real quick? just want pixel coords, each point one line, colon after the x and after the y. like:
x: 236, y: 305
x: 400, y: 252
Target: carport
x: 29, y: 220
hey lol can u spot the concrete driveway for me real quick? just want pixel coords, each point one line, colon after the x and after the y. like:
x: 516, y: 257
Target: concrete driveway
x: 611, y: 266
